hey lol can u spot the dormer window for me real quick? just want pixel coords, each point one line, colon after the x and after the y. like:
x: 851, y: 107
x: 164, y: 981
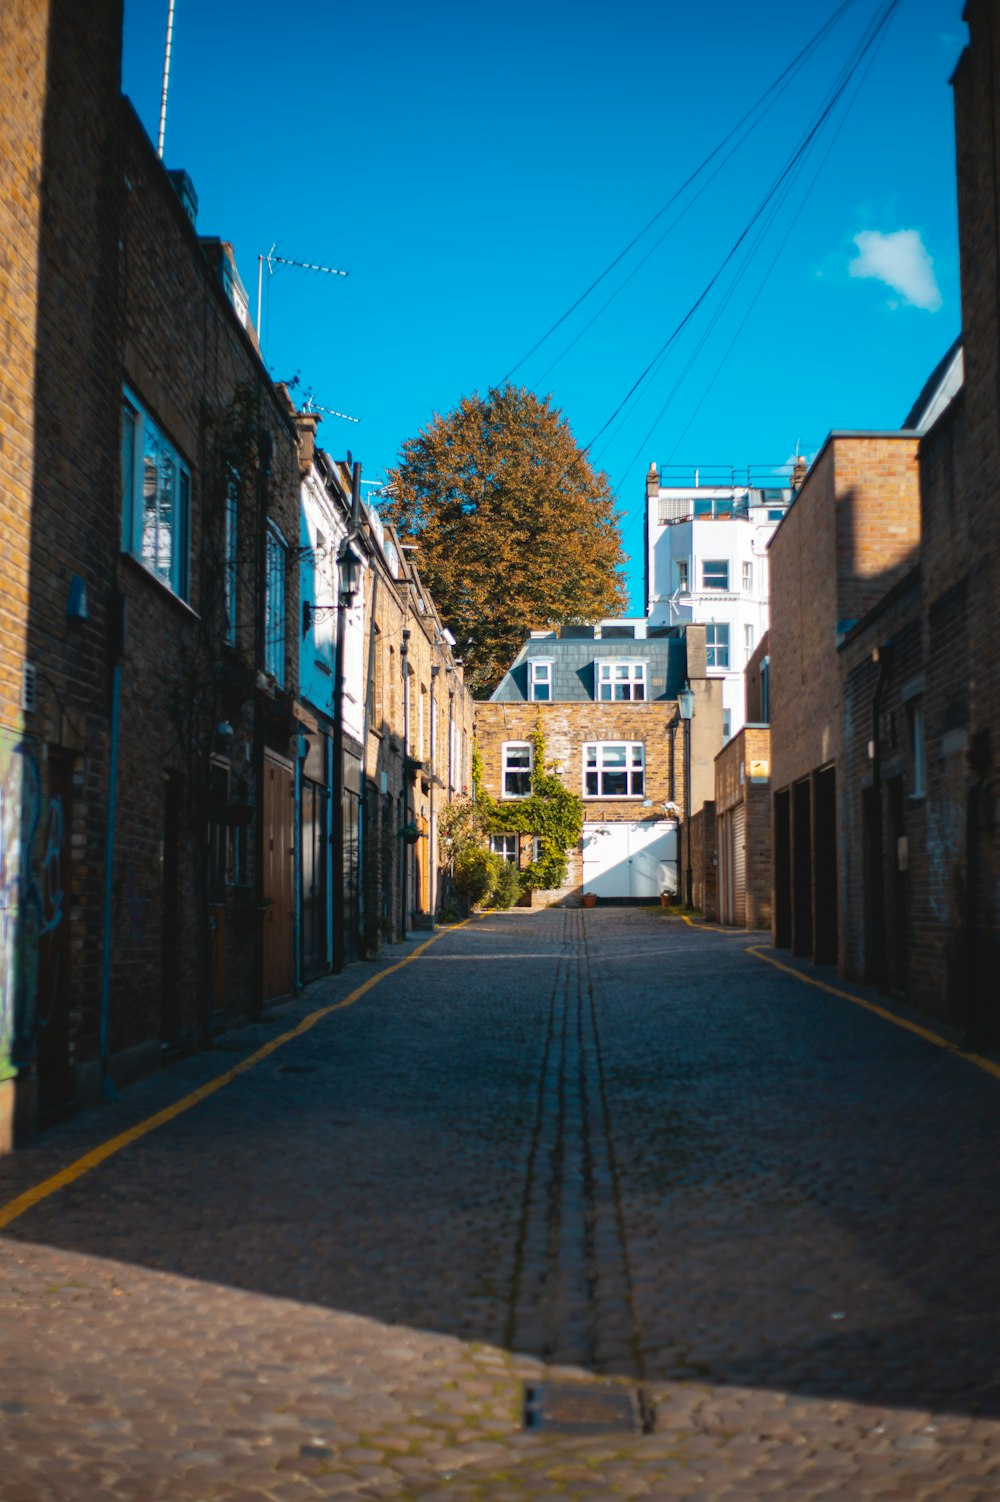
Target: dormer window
x: 620, y: 681
x: 540, y: 680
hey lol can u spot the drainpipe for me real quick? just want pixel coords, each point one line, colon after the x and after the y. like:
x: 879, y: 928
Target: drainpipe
x: 404, y: 657
x: 297, y: 867
x: 117, y: 645
x: 882, y: 657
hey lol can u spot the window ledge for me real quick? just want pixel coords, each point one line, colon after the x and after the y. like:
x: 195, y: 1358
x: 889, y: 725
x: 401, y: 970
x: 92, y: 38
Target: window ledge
x: 146, y: 573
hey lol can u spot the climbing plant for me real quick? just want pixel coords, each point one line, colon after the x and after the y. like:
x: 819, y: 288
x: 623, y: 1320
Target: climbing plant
x: 551, y: 813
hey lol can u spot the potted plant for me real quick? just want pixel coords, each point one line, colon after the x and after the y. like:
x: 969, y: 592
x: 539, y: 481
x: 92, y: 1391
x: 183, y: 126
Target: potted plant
x: 409, y: 833
x: 671, y: 813
x: 590, y: 899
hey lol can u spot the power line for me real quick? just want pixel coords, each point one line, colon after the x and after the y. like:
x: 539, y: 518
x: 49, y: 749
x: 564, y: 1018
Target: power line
x: 763, y: 282
x: 779, y: 83
x: 858, y: 53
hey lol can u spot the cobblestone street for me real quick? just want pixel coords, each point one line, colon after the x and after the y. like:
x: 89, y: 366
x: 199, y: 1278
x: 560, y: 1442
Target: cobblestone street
x: 601, y: 1148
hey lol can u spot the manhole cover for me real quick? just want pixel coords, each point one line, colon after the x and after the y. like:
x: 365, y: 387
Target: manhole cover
x: 582, y: 1408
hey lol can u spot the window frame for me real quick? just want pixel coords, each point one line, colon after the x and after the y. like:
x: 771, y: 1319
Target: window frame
x: 510, y: 851
x: 916, y: 730
x: 537, y: 679
x: 707, y: 577
x: 507, y: 769
x: 638, y: 676
x: 747, y: 576
x: 137, y: 423
x: 712, y: 647
x: 275, y: 604
x: 595, y: 765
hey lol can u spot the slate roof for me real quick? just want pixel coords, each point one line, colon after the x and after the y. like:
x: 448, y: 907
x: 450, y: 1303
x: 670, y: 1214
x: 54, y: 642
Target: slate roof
x: 573, y: 661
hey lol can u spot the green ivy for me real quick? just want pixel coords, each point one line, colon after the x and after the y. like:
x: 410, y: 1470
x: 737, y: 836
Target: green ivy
x: 551, y: 813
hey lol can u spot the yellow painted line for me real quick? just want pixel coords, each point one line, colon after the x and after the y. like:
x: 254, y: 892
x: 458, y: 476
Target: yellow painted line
x: 715, y: 928
x: 989, y: 1066
x: 98, y: 1155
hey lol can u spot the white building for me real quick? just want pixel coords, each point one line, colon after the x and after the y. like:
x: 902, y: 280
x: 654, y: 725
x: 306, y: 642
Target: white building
x: 706, y: 561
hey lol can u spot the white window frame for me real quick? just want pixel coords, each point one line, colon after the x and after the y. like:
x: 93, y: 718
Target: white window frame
x: 162, y: 544
x: 683, y: 576
x: 747, y: 576
x: 517, y: 766
x: 748, y: 639
x: 274, y: 605
x: 621, y: 672
x: 712, y: 648
x: 506, y: 846
x: 540, y: 677
x: 711, y: 570
x: 597, y: 766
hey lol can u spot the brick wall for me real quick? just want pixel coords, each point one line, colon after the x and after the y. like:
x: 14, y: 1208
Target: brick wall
x: 59, y: 66
x: 704, y: 861
x: 567, y: 727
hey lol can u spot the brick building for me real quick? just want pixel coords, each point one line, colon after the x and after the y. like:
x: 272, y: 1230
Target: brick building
x: 59, y: 281
x: 157, y: 744
x: 922, y: 683
x: 849, y: 536
x: 605, y: 698
x: 743, y: 828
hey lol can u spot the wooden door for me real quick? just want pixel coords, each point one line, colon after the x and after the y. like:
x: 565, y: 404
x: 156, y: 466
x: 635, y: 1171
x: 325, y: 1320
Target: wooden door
x: 276, y: 886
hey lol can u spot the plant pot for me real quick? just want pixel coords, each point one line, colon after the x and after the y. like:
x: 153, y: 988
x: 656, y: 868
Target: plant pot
x: 664, y: 899
x: 590, y: 899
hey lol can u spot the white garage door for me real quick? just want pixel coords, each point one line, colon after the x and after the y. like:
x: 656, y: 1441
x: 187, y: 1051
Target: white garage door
x: 629, y: 859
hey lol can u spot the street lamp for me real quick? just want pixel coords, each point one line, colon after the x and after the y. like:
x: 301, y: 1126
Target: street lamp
x: 685, y: 708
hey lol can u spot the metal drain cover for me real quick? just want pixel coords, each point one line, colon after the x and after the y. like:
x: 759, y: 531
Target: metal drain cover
x: 583, y: 1408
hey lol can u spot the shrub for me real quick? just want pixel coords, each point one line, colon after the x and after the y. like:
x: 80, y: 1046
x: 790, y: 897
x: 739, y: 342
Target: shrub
x: 476, y: 873
x: 506, y: 887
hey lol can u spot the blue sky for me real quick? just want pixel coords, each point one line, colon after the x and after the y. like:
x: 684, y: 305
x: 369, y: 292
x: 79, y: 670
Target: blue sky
x: 476, y: 168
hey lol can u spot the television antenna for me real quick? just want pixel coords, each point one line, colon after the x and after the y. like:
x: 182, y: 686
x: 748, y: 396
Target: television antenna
x: 270, y: 260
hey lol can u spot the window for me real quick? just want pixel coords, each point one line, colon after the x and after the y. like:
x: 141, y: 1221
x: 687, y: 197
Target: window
x: 918, y: 753
x: 681, y: 565
x: 505, y: 845
x: 765, y: 691
x: 715, y: 573
x: 727, y: 725
x: 516, y: 769
x: 717, y: 644
x: 748, y: 578
x: 614, y: 769
x: 230, y: 543
x: 156, y: 499
x: 618, y: 681
x: 748, y: 641
x: 274, y: 607
x: 540, y: 680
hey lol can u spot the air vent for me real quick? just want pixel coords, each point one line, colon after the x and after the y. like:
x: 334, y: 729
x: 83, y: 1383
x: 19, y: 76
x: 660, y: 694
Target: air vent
x: 29, y: 688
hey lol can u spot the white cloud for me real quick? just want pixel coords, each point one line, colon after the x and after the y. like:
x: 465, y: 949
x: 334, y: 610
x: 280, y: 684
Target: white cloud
x: 901, y: 261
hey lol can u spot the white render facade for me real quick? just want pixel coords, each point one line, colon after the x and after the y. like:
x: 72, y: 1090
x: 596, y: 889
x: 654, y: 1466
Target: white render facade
x: 706, y: 561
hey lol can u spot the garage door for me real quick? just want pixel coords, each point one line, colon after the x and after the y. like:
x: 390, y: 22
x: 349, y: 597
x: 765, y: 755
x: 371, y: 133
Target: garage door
x: 624, y: 859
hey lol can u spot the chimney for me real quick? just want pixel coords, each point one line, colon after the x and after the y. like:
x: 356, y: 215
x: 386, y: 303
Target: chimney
x: 799, y: 472
x: 306, y: 424
x: 652, y: 483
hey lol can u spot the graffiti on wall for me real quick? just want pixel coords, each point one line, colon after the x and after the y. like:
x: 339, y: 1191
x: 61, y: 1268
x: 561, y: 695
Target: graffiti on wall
x: 32, y: 901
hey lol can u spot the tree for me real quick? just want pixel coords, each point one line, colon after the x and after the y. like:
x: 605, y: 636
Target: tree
x: 516, y: 530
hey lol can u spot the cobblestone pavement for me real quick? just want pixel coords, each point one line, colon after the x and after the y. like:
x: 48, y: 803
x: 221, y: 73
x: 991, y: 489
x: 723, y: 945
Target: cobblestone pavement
x: 598, y: 1148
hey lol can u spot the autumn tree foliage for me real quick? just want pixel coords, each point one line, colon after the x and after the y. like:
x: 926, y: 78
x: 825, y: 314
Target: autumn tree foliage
x: 516, y: 530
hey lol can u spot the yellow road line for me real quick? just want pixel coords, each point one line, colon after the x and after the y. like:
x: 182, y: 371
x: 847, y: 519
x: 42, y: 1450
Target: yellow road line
x: 988, y: 1065
x: 98, y: 1155
x: 716, y: 928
